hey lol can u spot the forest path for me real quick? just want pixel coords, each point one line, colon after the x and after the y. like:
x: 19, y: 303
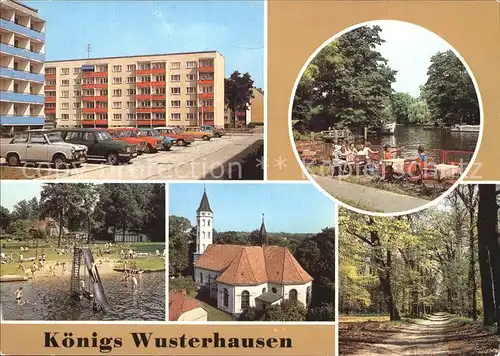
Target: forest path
x: 435, y: 335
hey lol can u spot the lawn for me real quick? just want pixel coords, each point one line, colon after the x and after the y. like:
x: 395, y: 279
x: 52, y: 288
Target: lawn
x: 152, y: 262
x: 188, y: 284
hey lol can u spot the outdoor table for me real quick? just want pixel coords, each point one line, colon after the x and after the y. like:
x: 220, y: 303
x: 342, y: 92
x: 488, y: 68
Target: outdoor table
x: 446, y: 170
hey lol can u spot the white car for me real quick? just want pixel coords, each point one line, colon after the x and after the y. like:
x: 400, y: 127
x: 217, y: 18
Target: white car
x: 41, y: 146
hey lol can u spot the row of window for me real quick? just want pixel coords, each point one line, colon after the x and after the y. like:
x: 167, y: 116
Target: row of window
x: 119, y: 92
x: 141, y: 66
x: 154, y: 116
x: 132, y: 104
x: 129, y: 80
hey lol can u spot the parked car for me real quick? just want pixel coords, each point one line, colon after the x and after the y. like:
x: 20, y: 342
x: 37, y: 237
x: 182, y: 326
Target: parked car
x: 153, y: 144
x: 153, y: 134
x: 125, y: 136
x: 182, y: 138
x: 211, y: 128
x: 42, y: 146
x: 100, y: 144
x: 199, y: 133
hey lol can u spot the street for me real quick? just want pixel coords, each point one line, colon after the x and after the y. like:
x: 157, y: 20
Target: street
x: 201, y: 160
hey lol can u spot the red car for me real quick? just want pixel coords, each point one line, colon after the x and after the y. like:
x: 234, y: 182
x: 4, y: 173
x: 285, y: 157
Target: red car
x: 152, y: 144
x: 182, y: 138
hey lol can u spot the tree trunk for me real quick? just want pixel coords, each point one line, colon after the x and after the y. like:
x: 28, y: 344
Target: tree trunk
x: 60, y: 229
x: 472, y: 265
x: 486, y: 195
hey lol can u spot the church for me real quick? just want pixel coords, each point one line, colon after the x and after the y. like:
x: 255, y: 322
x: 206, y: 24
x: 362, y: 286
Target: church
x: 238, y: 277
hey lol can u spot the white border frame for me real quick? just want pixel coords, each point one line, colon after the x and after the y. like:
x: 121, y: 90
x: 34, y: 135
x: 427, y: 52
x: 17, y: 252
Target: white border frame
x: 357, y: 210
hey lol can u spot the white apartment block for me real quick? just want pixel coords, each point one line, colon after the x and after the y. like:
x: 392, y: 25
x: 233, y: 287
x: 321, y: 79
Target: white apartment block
x: 22, y: 47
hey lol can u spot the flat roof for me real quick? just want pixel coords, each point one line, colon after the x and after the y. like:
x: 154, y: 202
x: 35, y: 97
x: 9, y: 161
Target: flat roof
x: 269, y: 297
x: 26, y: 6
x: 134, y: 56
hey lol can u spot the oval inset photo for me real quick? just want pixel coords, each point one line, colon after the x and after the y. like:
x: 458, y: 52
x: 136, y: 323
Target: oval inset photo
x: 386, y: 117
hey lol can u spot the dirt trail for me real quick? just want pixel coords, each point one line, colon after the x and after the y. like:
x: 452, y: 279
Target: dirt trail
x: 433, y: 336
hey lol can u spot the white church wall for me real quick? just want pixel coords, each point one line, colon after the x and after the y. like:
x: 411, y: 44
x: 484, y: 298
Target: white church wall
x: 275, y: 288
x: 204, y: 276
x: 254, y: 292
x: 301, y: 291
x: 229, y: 308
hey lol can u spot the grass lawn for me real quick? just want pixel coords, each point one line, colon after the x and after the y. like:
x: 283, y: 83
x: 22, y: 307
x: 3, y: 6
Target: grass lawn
x: 361, y: 318
x: 152, y: 262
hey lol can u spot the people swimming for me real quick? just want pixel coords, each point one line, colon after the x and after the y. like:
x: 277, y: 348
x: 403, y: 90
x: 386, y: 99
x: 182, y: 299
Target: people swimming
x: 19, y: 295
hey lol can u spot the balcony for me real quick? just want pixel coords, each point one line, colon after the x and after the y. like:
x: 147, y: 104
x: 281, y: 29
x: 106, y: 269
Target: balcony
x: 158, y: 70
x: 161, y: 109
x: 9, y: 96
x: 21, y: 120
x: 143, y: 71
x: 21, y: 52
x: 25, y: 31
x: 49, y: 111
x: 155, y: 122
x: 88, y: 98
x: 143, y: 84
x: 206, y: 82
x: 50, y: 99
x: 21, y: 75
x: 101, y: 110
x: 206, y: 69
x: 206, y: 95
x: 94, y: 74
x: 143, y: 110
x: 88, y: 122
x: 88, y: 110
x: 50, y: 76
x: 49, y: 87
x: 143, y: 96
x: 206, y: 109
x: 95, y: 86
x: 158, y: 97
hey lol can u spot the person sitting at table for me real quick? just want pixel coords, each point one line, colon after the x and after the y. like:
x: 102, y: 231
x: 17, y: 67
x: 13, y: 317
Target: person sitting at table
x: 366, y: 151
x: 351, y: 152
x: 389, y: 152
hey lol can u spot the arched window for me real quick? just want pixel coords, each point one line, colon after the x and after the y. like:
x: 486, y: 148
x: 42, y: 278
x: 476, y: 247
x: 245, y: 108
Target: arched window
x: 264, y: 290
x: 208, y: 222
x: 203, y: 234
x: 225, y: 301
x: 292, y: 295
x: 202, y: 248
x: 203, y: 222
x: 201, y: 277
x: 208, y: 234
x: 245, y: 300
x: 308, y: 295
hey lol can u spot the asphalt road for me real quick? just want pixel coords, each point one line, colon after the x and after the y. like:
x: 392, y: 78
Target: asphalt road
x: 193, y: 162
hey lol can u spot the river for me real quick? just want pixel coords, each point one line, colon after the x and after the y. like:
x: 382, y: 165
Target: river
x: 49, y: 299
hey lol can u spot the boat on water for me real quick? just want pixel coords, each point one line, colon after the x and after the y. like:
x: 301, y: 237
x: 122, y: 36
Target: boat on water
x: 387, y: 128
x: 465, y: 128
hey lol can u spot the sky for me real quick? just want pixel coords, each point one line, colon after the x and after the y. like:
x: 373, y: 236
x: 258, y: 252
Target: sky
x: 12, y: 192
x: 409, y: 49
x: 291, y: 208
x: 121, y: 28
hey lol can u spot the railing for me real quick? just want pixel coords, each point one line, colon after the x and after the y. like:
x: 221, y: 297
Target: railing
x: 21, y: 120
x: 21, y: 52
x: 11, y: 96
x: 21, y: 74
x: 10, y: 25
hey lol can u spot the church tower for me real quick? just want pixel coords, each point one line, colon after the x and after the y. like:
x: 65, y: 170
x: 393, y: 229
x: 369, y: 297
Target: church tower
x: 263, y: 233
x: 204, y: 227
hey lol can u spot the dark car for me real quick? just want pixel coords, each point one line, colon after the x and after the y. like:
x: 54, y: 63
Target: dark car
x: 100, y: 144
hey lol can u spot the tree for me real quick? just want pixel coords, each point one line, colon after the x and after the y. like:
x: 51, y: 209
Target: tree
x: 5, y: 218
x: 285, y: 311
x: 400, y: 107
x: 449, y: 91
x: 323, y: 312
x: 27, y: 210
x: 178, y: 244
x: 238, y: 90
x: 62, y: 201
x: 155, y: 215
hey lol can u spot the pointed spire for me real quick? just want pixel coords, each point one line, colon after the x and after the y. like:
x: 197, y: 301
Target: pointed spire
x: 263, y: 233
x: 204, y: 204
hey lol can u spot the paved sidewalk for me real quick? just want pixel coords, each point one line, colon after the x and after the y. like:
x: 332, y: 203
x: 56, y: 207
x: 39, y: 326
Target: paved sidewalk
x: 368, y: 198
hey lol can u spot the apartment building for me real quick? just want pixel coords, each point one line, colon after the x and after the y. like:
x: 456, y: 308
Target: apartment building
x: 181, y: 89
x: 22, y: 59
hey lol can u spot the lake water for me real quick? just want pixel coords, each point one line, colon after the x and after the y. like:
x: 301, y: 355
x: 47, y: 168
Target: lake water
x: 53, y: 302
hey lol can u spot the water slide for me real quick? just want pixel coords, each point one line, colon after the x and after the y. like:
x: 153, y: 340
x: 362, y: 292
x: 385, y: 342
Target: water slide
x: 99, y: 294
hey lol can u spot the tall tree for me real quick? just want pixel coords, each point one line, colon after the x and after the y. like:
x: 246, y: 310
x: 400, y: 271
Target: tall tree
x: 449, y: 91
x: 5, y: 218
x: 238, y: 90
x: 178, y: 244
x: 26, y: 209
x: 400, y: 106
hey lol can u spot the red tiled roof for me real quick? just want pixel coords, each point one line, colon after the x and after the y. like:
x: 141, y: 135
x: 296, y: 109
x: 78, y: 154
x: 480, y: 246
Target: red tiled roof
x: 179, y: 303
x: 252, y: 265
